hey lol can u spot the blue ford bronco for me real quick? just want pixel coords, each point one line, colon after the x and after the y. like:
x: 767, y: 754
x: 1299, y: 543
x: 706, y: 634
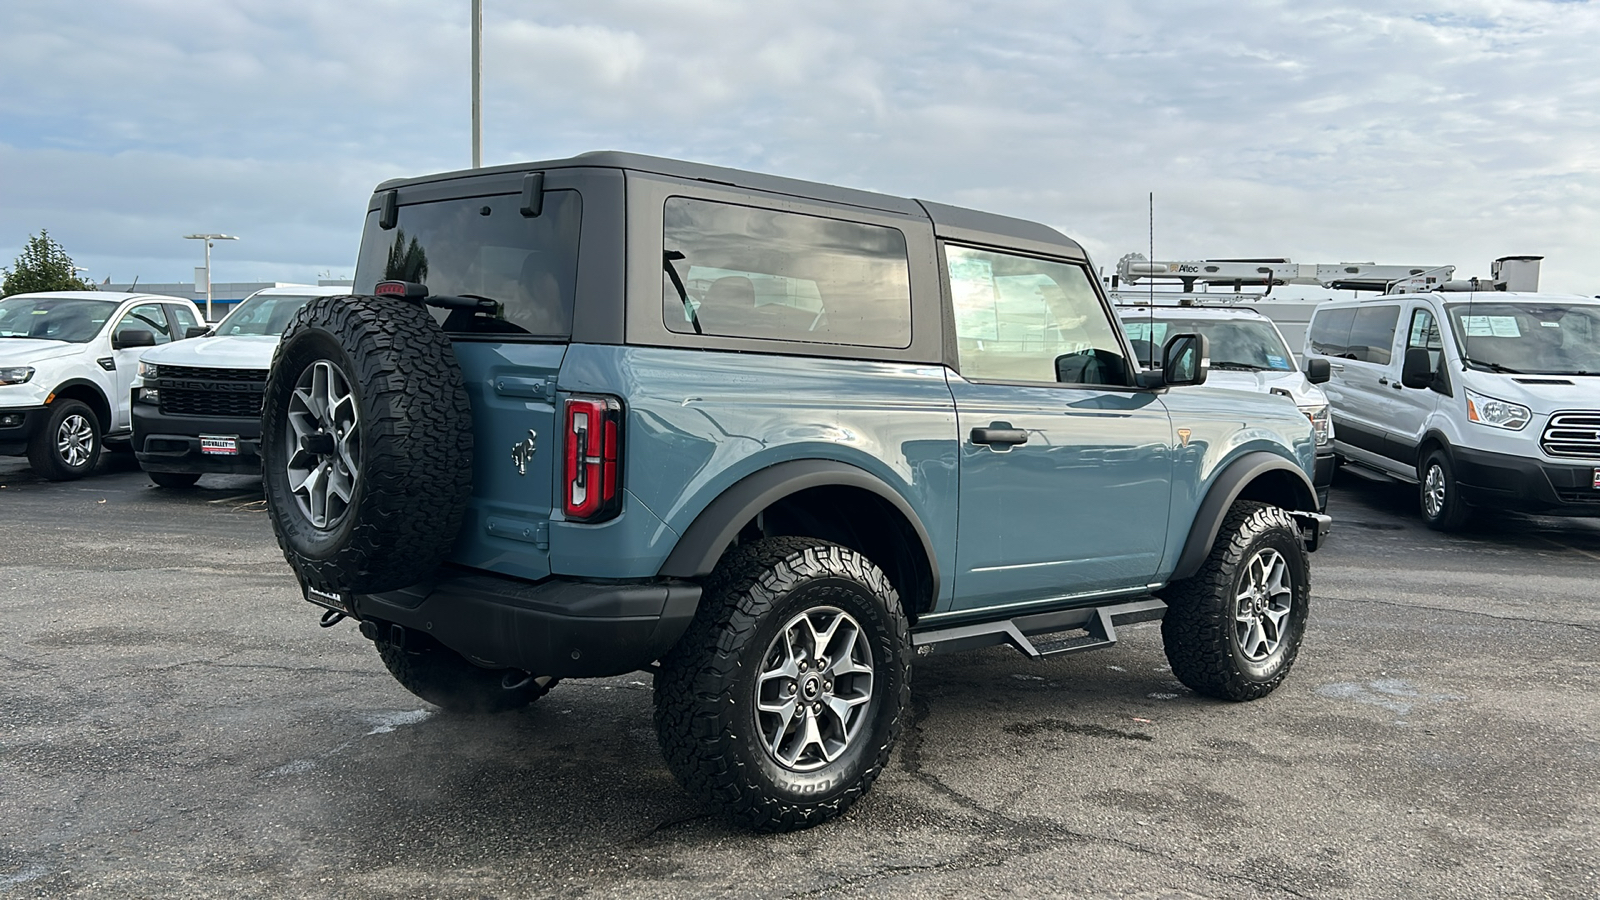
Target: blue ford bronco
x: 768, y: 440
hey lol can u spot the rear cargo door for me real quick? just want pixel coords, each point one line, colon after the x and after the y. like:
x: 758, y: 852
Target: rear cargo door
x: 470, y: 239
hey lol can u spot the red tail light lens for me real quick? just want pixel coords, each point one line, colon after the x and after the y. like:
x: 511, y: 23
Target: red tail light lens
x: 592, y: 477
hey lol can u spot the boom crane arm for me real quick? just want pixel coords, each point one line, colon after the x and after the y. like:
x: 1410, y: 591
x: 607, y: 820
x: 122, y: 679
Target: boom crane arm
x: 1238, y: 273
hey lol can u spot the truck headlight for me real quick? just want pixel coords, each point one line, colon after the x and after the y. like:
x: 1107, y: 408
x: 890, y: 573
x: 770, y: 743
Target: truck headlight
x: 16, y: 374
x: 1321, y: 423
x: 147, y: 370
x: 1499, y: 413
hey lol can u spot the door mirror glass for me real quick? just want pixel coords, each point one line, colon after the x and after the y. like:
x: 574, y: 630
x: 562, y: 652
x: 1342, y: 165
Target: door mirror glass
x: 1417, y: 371
x: 1318, y: 370
x: 1185, y: 360
x: 1091, y: 367
x: 194, y: 331
x: 132, y: 337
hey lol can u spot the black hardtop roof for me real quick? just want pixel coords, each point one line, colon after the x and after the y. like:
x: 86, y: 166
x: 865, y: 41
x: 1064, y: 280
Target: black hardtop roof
x: 948, y: 221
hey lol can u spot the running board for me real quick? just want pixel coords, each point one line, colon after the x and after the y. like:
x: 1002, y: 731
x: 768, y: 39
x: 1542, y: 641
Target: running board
x: 1099, y: 624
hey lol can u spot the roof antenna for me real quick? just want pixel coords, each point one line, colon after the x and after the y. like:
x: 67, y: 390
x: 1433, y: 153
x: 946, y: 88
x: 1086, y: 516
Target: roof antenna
x: 132, y: 286
x: 1150, y: 363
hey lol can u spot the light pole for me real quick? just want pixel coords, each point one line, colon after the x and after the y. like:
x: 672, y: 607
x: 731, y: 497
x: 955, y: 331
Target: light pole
x: 477, y: 83
x: 208, y: 238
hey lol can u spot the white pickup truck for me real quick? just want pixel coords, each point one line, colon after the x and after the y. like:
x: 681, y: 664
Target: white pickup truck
x: 67, y: 362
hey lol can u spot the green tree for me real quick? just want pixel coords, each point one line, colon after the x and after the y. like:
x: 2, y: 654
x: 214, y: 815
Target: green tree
x: 43, y: 265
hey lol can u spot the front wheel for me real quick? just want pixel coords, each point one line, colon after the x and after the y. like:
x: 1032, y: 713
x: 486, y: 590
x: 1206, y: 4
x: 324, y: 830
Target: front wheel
x: 782, y: 701
x: 1233, y: 629
x: 1440, y: 495
x: 68, y: 446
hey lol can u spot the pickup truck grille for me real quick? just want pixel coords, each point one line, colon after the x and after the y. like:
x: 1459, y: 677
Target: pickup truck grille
x: 195, y: 391
x: 1572, y: 434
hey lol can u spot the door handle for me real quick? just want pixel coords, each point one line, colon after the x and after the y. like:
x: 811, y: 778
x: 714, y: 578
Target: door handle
x: 1383, y: 379
x: 1398, y: 386
x: 1004, y: 436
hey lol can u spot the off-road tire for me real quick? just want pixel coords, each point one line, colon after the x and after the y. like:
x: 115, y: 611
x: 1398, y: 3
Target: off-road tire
x: 174, y: 479
x: 705, y: 689
x: 1451, y: 511
x: 414, y: 464
x: 1199, y: 631
x: 446, y: 679
x: 44, y: 453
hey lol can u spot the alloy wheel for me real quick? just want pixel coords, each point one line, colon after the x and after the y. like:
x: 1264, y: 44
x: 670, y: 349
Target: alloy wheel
x: 1262, y: 605
x: 324, y: 444
x: 1433, y: 491
x: 75, y: 440
x: 814, y: 688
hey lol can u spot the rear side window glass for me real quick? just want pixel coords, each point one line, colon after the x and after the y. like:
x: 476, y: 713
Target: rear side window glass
x: 146, y: 317
x: 738, y: 271
x: 1372, y: 334
x: 1330, y: 333
x: 483, y: 247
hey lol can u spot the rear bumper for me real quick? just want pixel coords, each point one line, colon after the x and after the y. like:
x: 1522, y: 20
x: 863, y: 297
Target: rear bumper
x: 1503, y: 481
x: 565, y: 629
x: 168, y: 443
x: 14, y: 438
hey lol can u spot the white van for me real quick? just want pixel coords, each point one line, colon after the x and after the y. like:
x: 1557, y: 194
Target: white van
x: 1484, y: 398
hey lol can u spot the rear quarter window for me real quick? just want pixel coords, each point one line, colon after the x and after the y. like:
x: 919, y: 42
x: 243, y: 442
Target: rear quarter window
x: 740, y: 271
x: 1330, y: 332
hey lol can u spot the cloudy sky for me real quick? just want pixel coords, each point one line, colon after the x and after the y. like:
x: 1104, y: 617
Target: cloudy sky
x: 1408, y: 133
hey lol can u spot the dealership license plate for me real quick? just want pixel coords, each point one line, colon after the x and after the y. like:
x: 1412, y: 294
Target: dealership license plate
x: 338, y: 601
x: 219, y: 445
x: 1597, y: 479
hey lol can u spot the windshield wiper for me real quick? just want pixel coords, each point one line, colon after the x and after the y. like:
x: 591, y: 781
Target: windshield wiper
x: 1494, y: 367
x: 668, y: 258
x: 1238, y: 366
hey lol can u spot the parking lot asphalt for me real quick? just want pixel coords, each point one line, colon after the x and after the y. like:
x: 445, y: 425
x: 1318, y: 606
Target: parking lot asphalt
x: 173, y: 723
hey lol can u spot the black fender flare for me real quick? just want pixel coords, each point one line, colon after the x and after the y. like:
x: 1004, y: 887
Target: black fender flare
x: 1219, y: 499
x: 1433, y: 435
x: 704, y: 541
x: 74, y: 383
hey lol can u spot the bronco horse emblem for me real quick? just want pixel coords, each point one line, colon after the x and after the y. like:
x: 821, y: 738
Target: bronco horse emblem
x: 522, y: 451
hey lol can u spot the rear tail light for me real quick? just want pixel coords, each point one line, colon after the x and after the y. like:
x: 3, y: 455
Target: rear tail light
x: 592, y: 477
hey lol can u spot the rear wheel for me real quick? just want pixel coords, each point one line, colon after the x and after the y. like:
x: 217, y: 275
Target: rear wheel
x: 68, y: 446
x: 1233, y: 629
x: 783, y: 700
x: 446, y: 679
x: 1440, y: 496
x: 174, y: 479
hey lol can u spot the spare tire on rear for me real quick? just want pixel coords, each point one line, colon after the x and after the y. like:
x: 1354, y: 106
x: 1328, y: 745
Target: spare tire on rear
x: 366, y: 444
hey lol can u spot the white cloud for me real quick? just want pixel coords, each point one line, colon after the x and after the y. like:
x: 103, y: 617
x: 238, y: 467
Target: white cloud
x: 1412, y: 132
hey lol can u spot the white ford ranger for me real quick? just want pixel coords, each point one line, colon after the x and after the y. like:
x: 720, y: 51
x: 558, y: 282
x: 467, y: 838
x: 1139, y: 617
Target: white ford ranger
x: 67, y: 360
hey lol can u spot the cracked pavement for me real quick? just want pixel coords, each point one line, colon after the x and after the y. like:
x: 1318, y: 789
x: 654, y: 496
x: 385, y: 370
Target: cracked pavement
x: 174, y: 724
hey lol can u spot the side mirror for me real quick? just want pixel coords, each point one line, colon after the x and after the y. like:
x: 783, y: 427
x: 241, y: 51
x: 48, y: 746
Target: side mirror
x: 132, y: 337
x: 1417, y: 370
x: 1185, y: 360
x: 1318, y: 370
x: 194, y: 331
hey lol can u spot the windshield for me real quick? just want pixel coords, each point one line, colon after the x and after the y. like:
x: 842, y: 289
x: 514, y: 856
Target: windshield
x: 1529, y: 338
x: 73, y: 320
x: 1251, y: 345
x: 483, y: 247
x: 263, y: 313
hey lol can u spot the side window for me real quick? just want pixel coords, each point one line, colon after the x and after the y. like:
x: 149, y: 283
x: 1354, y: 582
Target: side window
x: 182, y: 319
x: 146, y: 317
x: 1025, y: 319
x: 738, y: 271
x: 1330, y: 333
x: 1372, y: 334
x: 1424, y: 335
